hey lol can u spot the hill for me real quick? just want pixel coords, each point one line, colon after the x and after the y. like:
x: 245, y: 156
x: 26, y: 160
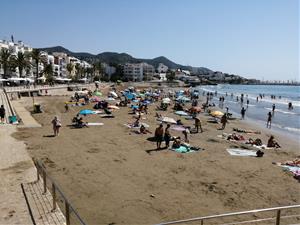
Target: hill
x: 121, y: 58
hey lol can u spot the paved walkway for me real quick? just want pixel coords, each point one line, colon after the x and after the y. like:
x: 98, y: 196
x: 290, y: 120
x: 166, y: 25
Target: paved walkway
x: 16, y: 167
x: 27, y: 119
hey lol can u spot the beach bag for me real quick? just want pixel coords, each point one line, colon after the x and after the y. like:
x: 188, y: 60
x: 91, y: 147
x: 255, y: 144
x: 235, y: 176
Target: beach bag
x: 58, y: 124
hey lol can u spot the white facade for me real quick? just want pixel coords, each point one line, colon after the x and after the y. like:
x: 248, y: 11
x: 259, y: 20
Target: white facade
x: 138, y: 71
x: 162, y: 68
x: 133, y: 72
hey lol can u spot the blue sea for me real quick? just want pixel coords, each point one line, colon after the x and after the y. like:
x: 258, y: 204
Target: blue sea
x: 283, y: 119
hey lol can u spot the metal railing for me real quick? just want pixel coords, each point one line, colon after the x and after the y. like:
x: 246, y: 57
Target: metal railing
x: 277, y: 218
x: 25, y: 88
x: 41, y: 172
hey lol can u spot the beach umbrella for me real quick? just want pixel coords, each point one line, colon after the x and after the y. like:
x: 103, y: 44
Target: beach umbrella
x: 134, y: 106
x: 181, y: 113
x: 216, y: 113
x: 183, y: 99
x: 114, y: 94
x: 97, y: 93
x: 129, y: 96
x: 166, y: 100
x: 168, y: 120
x: 86, y: 112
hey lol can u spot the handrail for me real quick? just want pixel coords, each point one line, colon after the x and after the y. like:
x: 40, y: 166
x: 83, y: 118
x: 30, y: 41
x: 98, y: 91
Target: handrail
x: 41, y: 167
x: 9, y: 104
x: 202, y: 218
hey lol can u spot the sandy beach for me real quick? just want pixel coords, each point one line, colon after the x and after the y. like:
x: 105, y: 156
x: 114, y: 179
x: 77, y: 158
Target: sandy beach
x: 115, y: 176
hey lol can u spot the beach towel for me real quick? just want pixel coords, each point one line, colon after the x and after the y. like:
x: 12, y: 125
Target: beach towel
x: 182, y: 149
x: 131, y: 125
x: 241, y: 152
x: 94, y: 124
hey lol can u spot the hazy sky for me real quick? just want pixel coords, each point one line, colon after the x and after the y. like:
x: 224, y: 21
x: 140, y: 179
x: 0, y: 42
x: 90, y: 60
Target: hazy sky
x: 253, y: 38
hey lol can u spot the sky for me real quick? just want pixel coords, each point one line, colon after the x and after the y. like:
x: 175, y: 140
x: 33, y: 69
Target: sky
x: 252, y: 38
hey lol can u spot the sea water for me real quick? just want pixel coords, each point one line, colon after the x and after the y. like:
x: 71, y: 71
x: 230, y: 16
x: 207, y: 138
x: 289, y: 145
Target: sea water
x: 283, y: 119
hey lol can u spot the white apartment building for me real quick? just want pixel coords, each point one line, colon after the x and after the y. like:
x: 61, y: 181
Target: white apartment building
x: 133, y: 71
x: 162, y: 68
x: 138, y: 71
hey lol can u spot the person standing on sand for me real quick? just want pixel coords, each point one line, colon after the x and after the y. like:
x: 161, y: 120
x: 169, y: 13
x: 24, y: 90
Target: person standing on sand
x: 197, y: 125
x: 56, y: 125
x: 159, y: 134
x: 243, y: 111
x: 2, y: 113
x: 167, y: 136
x: 269, y: 120
x: 224, y: 121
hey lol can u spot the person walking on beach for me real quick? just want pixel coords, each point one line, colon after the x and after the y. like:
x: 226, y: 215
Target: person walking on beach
x: 273, y: 109
x: 56, y: 125
x: 269, y: 120
x: 2, y: 113
x: 243, y: 111
x: 167, y: 136
x: 159, y: 134
x: 198, y: 125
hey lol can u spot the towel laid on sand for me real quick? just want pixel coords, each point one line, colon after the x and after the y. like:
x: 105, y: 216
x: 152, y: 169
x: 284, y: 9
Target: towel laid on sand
x: 241, y: 152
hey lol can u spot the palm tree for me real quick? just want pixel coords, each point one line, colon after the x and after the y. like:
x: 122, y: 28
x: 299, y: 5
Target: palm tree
x: 78, y: 72
x: 22, y: 62
x: 48, y: 71
x: 4, y: 60
x: 37, y: 57
x: 70, y: 68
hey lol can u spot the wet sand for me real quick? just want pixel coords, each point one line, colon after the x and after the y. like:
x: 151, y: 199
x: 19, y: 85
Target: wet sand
x: 113, y: 175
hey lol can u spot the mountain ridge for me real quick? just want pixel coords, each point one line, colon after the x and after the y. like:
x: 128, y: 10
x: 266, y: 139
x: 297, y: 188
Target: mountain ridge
x: 121, y: 58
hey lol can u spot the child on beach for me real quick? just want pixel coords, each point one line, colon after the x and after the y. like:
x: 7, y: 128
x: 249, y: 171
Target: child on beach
x: 56, y: 125
x: 198, y: 125
x: 243, y: 111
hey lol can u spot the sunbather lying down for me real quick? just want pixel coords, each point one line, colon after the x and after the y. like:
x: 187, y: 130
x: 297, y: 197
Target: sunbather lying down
x: 235, y: 137
x: 77, y: 122
x: 295, y: 162
x: 246, y: 131
x: 178, y: 144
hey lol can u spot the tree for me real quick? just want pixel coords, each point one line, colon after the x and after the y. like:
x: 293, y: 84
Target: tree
x: 170, y: 75
x: 37, y: 57
x: 48, y: 71
x: 4, y: 60
x: 78, y: 71
x: 70, y: 68
x: 21, y: 61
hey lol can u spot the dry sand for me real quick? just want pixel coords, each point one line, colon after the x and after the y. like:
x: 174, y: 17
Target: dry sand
x: 110, y: 177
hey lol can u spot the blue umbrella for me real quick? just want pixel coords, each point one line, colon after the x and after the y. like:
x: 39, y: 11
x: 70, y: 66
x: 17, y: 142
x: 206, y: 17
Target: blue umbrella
x: 86, y: 112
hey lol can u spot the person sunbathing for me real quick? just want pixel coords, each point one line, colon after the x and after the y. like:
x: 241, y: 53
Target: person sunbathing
x: 143, y: 130
x: 272, y: 143
x: 256, y: 142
